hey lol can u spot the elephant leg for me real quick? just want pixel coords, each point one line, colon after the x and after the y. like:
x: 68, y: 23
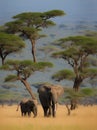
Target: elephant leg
x: 29, y: 114
x: 53, y: 110
x: 24, y: 113
x: 45, y: 111
x: 49, y: 111
x: 34, y: 111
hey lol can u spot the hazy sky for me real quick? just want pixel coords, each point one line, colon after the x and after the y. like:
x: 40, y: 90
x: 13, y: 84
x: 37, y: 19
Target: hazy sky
x: 75, y: 9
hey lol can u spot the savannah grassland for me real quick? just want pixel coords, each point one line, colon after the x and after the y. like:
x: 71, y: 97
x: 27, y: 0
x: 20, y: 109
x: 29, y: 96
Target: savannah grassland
x: 83, y: 118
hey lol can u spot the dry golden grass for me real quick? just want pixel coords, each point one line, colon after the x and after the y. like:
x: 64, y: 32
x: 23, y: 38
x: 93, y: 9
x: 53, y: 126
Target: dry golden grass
x: 83, y: 118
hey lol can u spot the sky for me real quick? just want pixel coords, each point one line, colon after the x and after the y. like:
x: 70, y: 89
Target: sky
x: 75, y: 9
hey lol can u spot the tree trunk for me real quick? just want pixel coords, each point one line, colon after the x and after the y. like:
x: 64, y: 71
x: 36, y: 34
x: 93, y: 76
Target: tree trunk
x: 2, y: 58
x: 77, y: 82
x: 33, y: 50
x: 28, y: 88
x: 2, y: 61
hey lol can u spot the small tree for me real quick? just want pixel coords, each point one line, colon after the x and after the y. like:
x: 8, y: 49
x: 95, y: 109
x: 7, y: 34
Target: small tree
x: 24, y: 69
x: 71, y: 98
x: 30, y: 23
x: 9, y: 43
x: 77, y: 49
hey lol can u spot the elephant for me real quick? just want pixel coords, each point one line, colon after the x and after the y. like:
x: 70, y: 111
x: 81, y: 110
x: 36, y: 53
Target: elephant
x: 27, y: 106
x: 49, y: 95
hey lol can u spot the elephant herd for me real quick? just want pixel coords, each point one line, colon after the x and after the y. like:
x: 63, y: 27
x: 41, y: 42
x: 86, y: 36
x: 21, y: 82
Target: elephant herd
x: 48, y: 96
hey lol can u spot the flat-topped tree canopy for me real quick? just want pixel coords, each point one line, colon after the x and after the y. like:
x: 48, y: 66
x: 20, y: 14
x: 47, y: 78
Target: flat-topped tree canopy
x: 52, y: 14
x: 38, y: 19
x: 28, y: 25
x: 75, y: 50
x: 22, y: 70
x: 9, y: 43
x: 13, y: 26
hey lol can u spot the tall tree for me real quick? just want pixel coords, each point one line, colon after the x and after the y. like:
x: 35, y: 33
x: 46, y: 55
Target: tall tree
x: 76, y: 51
x: 23, y: 70
x: 30, y: 23
x: 9, y: 43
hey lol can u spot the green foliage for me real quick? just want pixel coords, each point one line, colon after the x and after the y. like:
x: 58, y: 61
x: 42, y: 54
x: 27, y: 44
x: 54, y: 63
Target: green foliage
x: 28, y: 16
x: 10, y: 43
x: 10, y: 95
x: 83, y: 43
x: 13, y: 26
x: 70, y: 53
x: 76, y: 52
x: 30, y: 32
x: 54, y: 13
x: 87, y: 92
x: 64, y: 74
x: 49, y: 23
x: 28, y: 25
x: 42, y: 65
x: 82, y: 93
x: 89, y: 72
x: 58, y: 54
x: 11, y: 78
x: 24, y: 68
x: 11, y: 40
x: 34, y: 66
x: 4, y: 67
x: 38, y: 19
x: 69, y: 94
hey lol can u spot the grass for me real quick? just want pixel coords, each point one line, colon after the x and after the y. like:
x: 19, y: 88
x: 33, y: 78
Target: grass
x: 80, y: 119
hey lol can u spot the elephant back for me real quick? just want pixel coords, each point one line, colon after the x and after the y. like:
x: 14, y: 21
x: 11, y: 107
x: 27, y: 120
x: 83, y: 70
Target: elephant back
x: 56, y: 90
x: 25, y: 100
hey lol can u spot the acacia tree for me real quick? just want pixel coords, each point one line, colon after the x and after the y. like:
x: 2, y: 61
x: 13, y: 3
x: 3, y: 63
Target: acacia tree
x: 23, y: 70
x: 30, y: 23
x: 9, y: 43
x: 76, y: 51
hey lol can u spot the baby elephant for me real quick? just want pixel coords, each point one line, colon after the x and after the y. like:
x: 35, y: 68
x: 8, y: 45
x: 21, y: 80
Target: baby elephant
x: 27, y: 106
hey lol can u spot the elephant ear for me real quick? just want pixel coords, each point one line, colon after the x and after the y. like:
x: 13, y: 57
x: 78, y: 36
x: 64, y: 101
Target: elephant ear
x: 58, y: 89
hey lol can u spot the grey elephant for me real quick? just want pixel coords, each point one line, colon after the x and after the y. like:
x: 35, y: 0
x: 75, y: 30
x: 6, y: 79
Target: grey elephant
x: 49, y: 95
x: 27, y: 106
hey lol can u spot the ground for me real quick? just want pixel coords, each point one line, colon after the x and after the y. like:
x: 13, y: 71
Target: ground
x: 83, y: 118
